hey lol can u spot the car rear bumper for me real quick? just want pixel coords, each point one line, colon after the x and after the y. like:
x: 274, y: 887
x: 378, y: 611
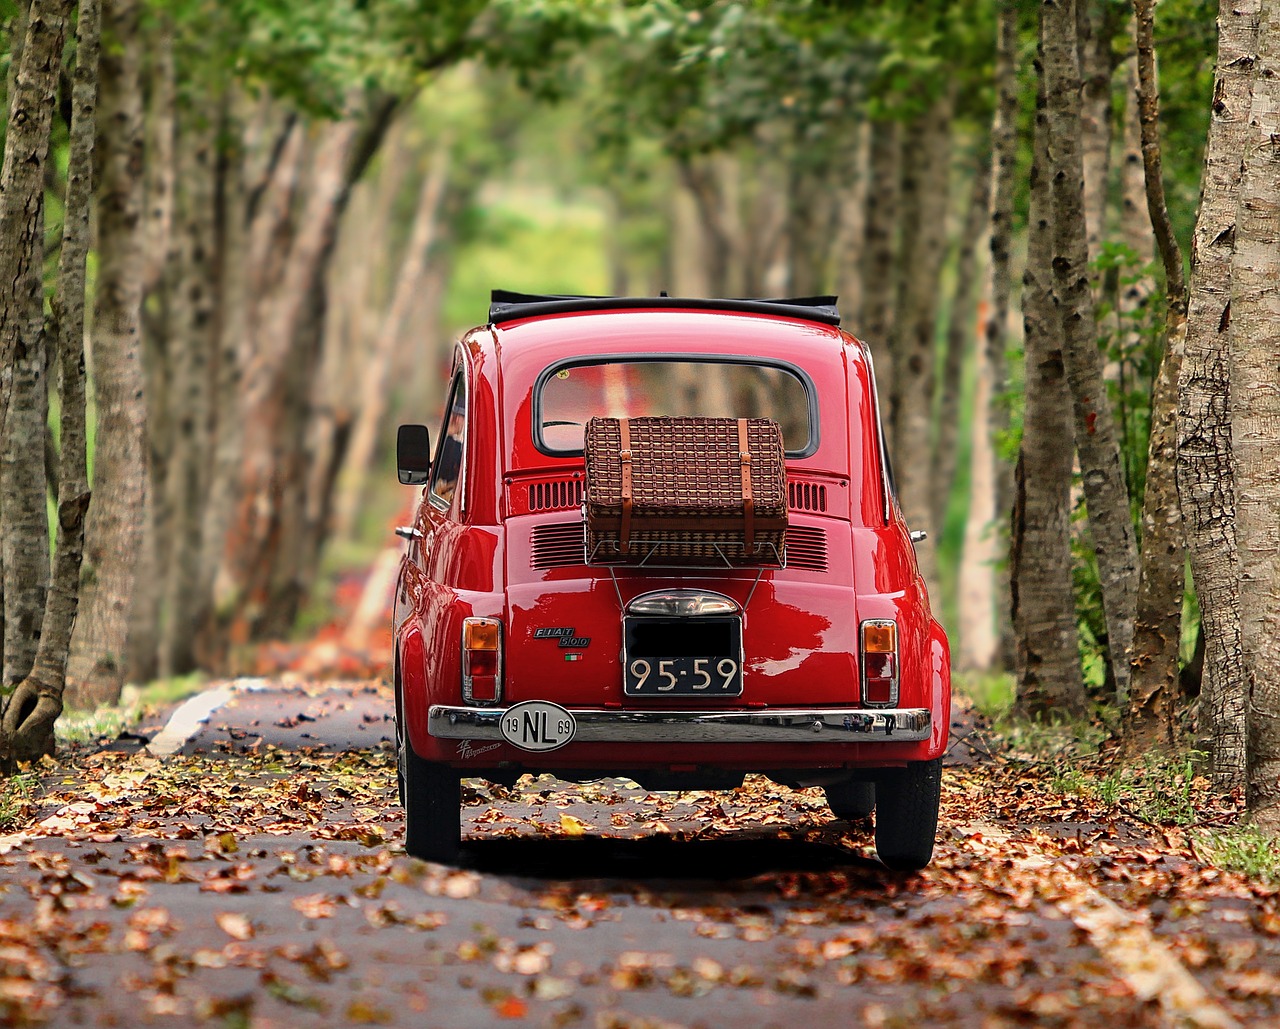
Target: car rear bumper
x: 788, y: 725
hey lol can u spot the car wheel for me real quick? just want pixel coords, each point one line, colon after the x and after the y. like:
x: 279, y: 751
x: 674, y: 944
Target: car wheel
x: 852, y: 801
x: 432, y: 808
x: 401, y: 744
x: 907, y: 802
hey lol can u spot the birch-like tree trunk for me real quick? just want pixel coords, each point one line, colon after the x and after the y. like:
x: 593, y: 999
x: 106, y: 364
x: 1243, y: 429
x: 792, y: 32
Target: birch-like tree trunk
x: 1255, y: 418
x: 23, y: 522
x: 1206, y: 473
x: 114, y: 530
x: 960, y: 337
x: 142, y: 655
x: 926, y: 167
x: 377, y: 364
x: 1106, y: 493
x: 261, y: 560
x: 26, y: 147
x: 1043, y: 611
x: 700, y: 176
x: 1004, y: 168
x: 1097, y: 24
x: 27, y: 729
x: 879, y: 254
x: 24, y: 526
x: 811, y: 214
x: 190, y: 360
x: 1158, y: 628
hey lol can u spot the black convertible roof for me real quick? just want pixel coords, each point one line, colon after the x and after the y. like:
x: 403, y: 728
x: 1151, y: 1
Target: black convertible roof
x: 505, y: 306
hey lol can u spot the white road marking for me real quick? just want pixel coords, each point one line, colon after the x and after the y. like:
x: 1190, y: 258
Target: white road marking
x: 1139, y: 958
x: 185, y: 722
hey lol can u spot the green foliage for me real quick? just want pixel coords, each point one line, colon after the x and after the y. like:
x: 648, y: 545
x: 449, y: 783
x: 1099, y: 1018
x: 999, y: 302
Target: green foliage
x: 16, y: 794
x: 1160, y: 791
x: 1245, y: 849
x: 992, y: 693
x: 1130, y: 317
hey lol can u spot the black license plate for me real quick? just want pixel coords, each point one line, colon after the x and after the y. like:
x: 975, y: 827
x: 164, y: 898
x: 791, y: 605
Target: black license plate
x: 682, y: 657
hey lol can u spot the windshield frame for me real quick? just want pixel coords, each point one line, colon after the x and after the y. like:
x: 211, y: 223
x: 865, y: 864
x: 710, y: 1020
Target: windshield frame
x: 681, y: 357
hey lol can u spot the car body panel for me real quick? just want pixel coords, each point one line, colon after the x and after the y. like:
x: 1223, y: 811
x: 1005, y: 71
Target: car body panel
x: 505, y: 545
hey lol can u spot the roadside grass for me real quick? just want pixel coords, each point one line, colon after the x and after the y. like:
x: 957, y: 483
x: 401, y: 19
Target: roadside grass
x: 17, y: 793
x: 136, y: 703
x: 1244, y: 848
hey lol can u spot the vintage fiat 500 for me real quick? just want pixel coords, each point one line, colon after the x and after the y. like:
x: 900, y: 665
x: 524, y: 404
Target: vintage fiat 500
x: 525, y: 644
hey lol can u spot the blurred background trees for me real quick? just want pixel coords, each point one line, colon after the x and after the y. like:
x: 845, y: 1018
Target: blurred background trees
x: 298, y: 206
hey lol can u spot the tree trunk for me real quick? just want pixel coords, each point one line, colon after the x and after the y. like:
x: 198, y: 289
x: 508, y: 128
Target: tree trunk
x: 1097, y: 24
x: 960, y: 339
x: 261, y: 562
x: 1043, y: 604
x: 810, y: 217
x: 925, y: 173
x: 1004, y: 147
x: 115, y: 523
x: 1158, y: 628
x: 1206, y: 476
x: 359, y: 455
x: 1106, y: 492
x: 191, y: 359
x: 1255, y: 419
x: 26, y: 147
x: 852, y: 230
x: 24, y: 526
x: 879, y: 255
x: 980, y: 569
x: 27, y: 730
x: 700, y: 179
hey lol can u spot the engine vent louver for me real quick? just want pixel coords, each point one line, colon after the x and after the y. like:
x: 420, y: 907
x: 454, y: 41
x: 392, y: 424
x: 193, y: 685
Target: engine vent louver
x: 806, y: 496
x: 555, y: 495
x: 806, y: 548
x: 555, y: 546
x: 561, y: 545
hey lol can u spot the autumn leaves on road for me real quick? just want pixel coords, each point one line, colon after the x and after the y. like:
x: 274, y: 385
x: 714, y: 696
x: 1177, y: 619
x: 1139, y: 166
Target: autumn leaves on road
x: 269, y: 888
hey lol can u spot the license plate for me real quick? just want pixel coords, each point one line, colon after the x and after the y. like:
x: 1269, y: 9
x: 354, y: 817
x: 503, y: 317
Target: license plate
x: 538, y: 725
x: 682, y: 657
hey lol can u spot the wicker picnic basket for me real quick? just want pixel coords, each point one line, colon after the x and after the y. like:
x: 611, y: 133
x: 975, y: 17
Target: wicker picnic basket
x: 685, y: 491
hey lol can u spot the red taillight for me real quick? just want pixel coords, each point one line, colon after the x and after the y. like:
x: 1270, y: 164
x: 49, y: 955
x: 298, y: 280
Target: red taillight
x: 879, y: 662
x: 481, y: 660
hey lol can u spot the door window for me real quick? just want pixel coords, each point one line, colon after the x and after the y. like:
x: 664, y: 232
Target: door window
x: 447, y: 475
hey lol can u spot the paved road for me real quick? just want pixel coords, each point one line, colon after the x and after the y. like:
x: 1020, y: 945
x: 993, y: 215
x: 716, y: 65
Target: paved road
x: 254, y: 880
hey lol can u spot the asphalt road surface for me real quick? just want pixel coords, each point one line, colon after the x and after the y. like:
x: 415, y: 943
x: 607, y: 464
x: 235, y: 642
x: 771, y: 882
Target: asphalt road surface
x: 252, y: 876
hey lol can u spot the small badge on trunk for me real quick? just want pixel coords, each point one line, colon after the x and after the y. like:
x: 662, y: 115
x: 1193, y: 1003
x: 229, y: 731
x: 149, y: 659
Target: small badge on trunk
x: 538, y: 725
x: 565, y: 634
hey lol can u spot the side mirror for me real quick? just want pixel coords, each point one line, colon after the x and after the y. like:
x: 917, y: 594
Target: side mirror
x: 413, y: 454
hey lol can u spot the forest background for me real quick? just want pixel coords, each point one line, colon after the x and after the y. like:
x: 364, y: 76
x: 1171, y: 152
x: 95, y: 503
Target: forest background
x: 278, y: 215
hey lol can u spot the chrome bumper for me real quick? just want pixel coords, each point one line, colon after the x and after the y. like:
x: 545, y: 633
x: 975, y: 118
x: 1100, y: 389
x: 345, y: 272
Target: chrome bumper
x: 784, y: 725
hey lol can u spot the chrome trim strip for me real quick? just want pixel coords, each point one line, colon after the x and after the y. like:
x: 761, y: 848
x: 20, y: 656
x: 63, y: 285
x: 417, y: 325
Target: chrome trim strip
x: 782, y: 725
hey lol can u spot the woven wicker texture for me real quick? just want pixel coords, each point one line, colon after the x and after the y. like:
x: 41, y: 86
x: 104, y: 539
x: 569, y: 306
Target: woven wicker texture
x: 686, y: 466
x: 686, y: 489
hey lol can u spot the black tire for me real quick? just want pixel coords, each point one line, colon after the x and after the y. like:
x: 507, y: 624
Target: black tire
x: 852, y: 801
x: 432, y: 808
x: 907, y: 815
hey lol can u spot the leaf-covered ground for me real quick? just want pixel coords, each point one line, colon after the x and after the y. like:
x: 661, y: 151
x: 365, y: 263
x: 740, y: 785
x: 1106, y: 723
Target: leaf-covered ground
x: 262, y: 883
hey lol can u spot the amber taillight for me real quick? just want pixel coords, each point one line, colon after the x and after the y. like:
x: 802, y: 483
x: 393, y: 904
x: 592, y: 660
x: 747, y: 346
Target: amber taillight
x: 481, y: 660
x: 879, y: 662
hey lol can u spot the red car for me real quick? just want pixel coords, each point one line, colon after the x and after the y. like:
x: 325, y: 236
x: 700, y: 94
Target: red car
x: 519, y: 650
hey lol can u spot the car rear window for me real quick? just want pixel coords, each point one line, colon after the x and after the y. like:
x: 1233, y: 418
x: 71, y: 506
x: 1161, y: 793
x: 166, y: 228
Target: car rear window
x: 570, y: 393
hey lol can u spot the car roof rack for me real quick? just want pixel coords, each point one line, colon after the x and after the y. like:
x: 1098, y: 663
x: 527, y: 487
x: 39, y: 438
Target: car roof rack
x: 505, y: 306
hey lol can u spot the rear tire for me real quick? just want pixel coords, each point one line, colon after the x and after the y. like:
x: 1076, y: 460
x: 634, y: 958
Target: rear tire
x: 432, y: 808
x: 907, y: 815
x: 852, y: 801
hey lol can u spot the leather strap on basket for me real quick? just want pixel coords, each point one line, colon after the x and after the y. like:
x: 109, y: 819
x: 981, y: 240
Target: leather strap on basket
x: 748, y: 496
x: 624, y: 454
